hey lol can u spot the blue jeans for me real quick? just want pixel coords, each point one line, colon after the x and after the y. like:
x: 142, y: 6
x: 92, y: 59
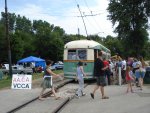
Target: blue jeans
x: 81, y: 85
x: 139, y: 74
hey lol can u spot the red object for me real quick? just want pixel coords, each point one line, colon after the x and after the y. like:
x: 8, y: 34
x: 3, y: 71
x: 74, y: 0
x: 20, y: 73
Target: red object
x: 106, y: 63
x: 128, y: 78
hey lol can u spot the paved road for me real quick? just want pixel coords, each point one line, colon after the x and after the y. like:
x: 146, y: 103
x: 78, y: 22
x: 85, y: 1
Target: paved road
x: 119, y: 102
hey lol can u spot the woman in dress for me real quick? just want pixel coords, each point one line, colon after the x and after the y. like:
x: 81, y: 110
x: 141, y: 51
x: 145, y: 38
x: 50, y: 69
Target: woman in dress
x: 47, y: 80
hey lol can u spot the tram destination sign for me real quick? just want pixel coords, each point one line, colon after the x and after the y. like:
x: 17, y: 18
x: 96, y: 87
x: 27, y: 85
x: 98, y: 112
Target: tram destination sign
x: 21, y: 81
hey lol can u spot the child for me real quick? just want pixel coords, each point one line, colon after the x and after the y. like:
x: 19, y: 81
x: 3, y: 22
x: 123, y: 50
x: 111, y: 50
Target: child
x: 80, y: 74
x: 129, y: 79
x: 47, y: 80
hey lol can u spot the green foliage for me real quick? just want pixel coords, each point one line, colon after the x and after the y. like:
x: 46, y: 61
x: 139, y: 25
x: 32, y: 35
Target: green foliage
x: 131, y: 18
x: 147, y: 50
x: 5, y: 82
x: 3, y: 43
x: 23, y: 24
x: 68, y: 38
x: 12, y: 19
x: 96, y: 38
x: 48, y: 38
x: 56, y: 44
x: 17, y: 46
x: 136, y: 40
x: 26, y: 38
x: 113, y: 44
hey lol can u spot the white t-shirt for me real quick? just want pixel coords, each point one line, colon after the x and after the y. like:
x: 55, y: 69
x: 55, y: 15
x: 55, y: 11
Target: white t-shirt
x: 124, y: 64
x: 134, y: 65
x: 111, y: 65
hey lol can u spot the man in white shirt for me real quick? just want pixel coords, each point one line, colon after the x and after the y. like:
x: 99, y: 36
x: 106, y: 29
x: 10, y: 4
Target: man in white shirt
x: 123, y: 70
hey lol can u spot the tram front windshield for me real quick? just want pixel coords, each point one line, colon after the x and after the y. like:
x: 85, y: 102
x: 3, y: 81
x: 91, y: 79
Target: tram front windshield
x: 77, y: 54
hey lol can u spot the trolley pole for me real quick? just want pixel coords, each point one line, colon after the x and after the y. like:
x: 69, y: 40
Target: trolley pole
x: 78, y: 33
x: 82, y: 20
x: 8, y: 40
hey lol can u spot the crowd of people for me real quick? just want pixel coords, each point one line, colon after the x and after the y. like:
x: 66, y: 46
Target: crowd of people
x: 106, y: 72
x: 132, y: 71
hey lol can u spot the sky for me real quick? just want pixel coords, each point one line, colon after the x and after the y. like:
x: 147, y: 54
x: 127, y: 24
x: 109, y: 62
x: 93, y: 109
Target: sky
x: 66, y: 14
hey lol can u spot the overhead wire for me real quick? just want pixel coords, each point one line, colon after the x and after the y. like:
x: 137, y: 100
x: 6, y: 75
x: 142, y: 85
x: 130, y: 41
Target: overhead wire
x: 75, y: 14
x: 87, y: 15
x: 97, y: 24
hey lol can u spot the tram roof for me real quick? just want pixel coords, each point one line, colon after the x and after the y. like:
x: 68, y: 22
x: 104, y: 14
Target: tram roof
x: 85, y: 44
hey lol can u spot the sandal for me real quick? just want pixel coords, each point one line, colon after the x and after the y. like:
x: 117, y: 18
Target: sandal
x: 57, y: 98
x: 41, y: 99
x: 92, y: 95
x: 50, y: 95
x: 105, y: 97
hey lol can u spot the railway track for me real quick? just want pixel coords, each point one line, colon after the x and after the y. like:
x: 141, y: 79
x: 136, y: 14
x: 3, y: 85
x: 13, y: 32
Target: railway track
x: 36, y: 98
x: 57, y: 108
x: 65, y: 102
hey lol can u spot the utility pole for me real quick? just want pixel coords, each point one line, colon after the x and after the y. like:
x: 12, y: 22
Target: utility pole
x: 7, y: 37
x: 82, y: 20
x: 78, y: 33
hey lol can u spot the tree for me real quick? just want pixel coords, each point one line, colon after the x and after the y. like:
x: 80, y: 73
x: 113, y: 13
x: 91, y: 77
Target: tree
x: 23, y: 24
x: 113, y: 44
x: 3, y: 40
x: 96, y: 38
x: 17, y: 48
x: 12, y: 20
x: 67, y: 38
x: 147, y: 50
x: 3, y: 43
x: 48, y: 39
x: 131, y: 18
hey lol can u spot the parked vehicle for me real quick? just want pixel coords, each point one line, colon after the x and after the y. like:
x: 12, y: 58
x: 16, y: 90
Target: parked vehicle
x: 53, y: 68
x: 58, y: 65
x: 17, y: 70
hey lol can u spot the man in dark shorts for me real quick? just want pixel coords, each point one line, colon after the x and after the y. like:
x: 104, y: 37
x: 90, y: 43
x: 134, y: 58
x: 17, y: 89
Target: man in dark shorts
x: 100, y: 76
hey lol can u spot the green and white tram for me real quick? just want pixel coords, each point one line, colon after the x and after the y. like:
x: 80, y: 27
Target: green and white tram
x: 85, y: 51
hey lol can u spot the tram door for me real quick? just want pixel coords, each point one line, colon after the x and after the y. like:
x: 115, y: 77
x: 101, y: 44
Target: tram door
x: 96, y: 53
